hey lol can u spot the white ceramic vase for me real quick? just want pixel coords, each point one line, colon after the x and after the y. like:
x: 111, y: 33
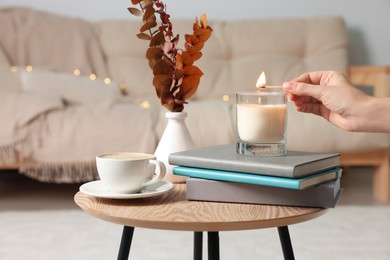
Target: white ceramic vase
x: 175, y: 138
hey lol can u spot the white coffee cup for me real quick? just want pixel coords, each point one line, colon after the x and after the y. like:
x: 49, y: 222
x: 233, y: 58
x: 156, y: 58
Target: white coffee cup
x: 127, y: 172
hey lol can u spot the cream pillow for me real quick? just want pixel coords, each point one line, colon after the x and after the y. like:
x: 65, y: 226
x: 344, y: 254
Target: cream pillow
x: 73, y: 89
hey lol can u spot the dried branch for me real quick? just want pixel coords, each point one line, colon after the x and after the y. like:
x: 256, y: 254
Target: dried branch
x: 176, y: 79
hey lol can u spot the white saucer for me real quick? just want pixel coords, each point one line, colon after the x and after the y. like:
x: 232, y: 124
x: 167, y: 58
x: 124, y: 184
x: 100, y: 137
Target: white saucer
x: 96, y: 188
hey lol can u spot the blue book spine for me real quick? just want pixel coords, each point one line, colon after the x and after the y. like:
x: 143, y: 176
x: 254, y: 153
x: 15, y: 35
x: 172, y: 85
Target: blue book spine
x: 266, y: 180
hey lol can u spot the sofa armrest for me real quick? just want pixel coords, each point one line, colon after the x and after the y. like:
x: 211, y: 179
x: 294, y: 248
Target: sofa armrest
x: 377, y: 77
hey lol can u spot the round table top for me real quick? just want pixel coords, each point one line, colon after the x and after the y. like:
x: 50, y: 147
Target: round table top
x: 171, y: 211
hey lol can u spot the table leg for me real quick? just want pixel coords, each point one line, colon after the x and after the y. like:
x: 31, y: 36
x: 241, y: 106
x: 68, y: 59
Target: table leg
x: 285, y: 240
x: 127, y: 237
x: 198, y: 245
x: 213, y: 245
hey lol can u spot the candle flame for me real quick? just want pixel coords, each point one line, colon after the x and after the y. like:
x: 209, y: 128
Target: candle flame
x: 261, y: 81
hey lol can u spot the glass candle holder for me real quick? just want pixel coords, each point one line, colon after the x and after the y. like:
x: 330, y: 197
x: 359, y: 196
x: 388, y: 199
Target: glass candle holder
x: 261, y: 122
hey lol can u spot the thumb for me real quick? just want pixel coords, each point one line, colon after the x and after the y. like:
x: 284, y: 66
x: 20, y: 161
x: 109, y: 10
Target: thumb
x: 304, y: 89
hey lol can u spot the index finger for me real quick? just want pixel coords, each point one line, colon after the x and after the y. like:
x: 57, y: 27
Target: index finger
x: 310, y: 77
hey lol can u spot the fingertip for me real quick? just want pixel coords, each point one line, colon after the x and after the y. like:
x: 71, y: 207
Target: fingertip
x: 288, y: 86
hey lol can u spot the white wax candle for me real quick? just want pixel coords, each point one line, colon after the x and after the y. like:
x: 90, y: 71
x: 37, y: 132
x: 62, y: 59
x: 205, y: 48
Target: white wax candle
x: 261, y: 123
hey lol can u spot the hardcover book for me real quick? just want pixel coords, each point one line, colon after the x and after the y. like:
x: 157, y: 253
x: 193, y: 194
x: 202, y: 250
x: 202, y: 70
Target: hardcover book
x: 265, y: 180
x: 224, y: 157
x: 324, y: 195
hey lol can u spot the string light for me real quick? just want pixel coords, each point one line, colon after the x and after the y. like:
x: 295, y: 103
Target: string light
x: 107, y: 81
x: 29, y: 68
x: 77, y: 72
x: 145, y: 105
x: 122, y: 87
x: 92, y: 76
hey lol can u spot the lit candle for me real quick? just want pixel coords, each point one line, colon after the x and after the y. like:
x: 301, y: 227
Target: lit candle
x: 261, y: 115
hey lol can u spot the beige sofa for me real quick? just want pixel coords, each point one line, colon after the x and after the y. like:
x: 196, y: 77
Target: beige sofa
x: 61, y: 120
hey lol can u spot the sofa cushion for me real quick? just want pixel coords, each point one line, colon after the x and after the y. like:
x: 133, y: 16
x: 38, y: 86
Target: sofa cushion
x: 73, y: 89
x: 48, y: 40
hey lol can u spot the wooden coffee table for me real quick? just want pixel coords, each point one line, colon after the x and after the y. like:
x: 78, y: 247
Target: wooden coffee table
x: 171, y: 211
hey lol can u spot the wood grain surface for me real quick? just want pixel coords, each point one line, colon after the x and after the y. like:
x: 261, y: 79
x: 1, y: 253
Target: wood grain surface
x: 171, y: 211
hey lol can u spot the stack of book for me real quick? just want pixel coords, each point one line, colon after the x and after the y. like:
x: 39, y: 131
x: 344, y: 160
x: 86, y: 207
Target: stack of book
x: 218, y: 173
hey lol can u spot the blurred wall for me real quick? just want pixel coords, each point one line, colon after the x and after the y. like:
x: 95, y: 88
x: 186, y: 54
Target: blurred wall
x: 368, y: 22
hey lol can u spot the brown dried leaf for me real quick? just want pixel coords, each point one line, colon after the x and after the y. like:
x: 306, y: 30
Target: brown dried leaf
x: 153, y: 17
x: 167, y: 99
x: 135, y: 2
x: 191, y: 39
x: 163, y: 68
x: 152, y: 63
x: 196, y: 24
x: 135, y: 11
x: 146, y: 3
x: 196, y: 56
x: 203, y: 34
x: 170, y: 106
x: 203, y: 21
x: 154, y: 53
x: 161, y: 82
x: 147, y: 26
x: 192, y: 71
x: 195, y: 48
x: 144, y: 36
x: 187, y: 59
x: 178, y: 74
x: 148, y: 13
x: 168, y: 61
x: 189, y: 86
x: 157, y: 39
x: 150, y: 18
